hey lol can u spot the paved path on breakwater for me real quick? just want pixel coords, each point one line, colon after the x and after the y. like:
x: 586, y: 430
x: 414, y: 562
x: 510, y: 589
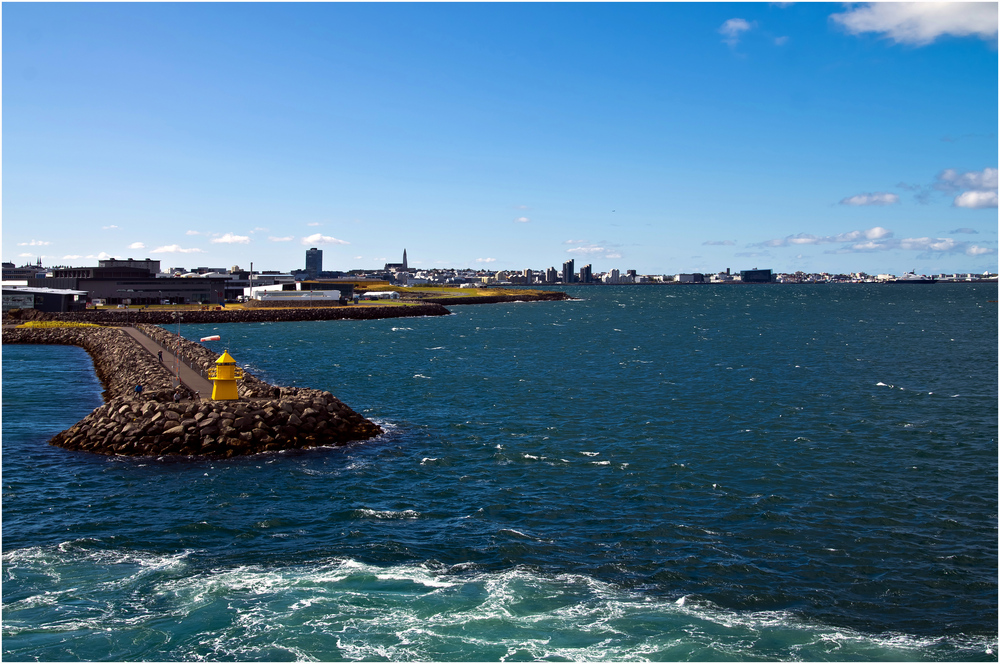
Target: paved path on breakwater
x: 192, y: 378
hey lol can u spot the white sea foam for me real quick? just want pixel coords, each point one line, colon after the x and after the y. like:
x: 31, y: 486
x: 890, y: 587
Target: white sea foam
x: 365, y: 512
x: 345, y: 609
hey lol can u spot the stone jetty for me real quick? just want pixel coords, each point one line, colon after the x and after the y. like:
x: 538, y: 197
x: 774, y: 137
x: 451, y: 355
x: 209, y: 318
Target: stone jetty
x: 264, y: 418
x: 547, y: 296
x: 278, y: 314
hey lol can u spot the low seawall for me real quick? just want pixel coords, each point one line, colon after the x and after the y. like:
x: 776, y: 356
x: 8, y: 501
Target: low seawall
x: 265, y: 418
x: 137, y: 315
x: 492, y: 299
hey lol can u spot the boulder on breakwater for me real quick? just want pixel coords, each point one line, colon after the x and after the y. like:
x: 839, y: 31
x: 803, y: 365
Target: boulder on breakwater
x: 265, y: 418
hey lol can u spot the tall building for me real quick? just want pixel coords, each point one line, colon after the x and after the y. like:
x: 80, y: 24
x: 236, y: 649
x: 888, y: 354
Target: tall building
x: 397, y: 267
x: 314, y: 262
x: 586, y: 274
x: 567, y: 272
x: 551, y: 276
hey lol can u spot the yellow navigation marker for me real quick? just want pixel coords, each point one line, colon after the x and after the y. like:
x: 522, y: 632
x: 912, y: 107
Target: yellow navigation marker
x: 224, y: 375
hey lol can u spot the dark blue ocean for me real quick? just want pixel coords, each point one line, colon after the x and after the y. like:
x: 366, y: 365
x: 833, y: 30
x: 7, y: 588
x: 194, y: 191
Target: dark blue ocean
x: 664, y: 473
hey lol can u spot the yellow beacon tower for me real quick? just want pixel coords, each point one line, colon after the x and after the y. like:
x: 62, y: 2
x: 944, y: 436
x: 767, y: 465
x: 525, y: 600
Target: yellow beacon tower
x: 224, y: 375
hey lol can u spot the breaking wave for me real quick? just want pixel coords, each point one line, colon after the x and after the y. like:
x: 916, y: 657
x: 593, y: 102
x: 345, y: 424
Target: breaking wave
x: 165, y: 607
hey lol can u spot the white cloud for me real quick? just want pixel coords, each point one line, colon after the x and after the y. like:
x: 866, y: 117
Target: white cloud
x: 951, y: 180
x: 486, y: 260
x: 976, y: 199
x: 574, y: 242
x: 928, y: 246
x: 195, y: 233
x: 880, y: 198
x: 780, y: 41
x: 314, y: 223
x: 920, y: 23
x: 931, y: 244
x: 733, y: 28
x: 137, y: 245
x: 978, y: 188
x: 259, y: 229
x: 26, y: 255
x: 176, y: 249
x: 34, y: 243
x: 288, y: 238
x: 229, y: 238
x: 875, y: 233
x: 598, y: 250
x: 966, y: 231
x: 322, y: 239
x: 522, y: 220
x: 70, y: 257
x: 108, y: 228
x: 103, y: 256
x: 718, y: 243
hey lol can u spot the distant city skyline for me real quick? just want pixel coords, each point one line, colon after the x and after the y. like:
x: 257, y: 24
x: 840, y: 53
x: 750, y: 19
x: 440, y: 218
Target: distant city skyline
x: 665, y: 138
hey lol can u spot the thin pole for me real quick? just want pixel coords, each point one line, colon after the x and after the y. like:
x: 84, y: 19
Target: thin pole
x: 177, y: 357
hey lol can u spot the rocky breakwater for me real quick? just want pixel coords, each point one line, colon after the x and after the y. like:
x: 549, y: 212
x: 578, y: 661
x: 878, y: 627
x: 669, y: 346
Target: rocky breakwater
x: 153, y: 424
x: 254, y: 314
x: 299, y: 418
x: 119, y: 361
x: 548, y: 296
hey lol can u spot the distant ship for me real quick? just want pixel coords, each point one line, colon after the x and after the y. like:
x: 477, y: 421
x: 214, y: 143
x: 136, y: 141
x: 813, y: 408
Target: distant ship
x: 913, y: 278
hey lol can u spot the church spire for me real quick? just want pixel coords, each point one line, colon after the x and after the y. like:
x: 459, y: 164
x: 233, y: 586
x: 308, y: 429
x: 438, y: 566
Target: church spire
x: 404, y: 259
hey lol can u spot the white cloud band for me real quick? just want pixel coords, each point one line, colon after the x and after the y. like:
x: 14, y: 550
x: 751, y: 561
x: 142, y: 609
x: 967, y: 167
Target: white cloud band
x: 176, y: 249
x: 880, y: 198
x: 920, y: 23
x: 230, y: 238
x: 318, y: 238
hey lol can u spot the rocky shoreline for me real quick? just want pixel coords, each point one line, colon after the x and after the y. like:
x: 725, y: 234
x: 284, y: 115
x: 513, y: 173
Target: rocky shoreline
x: 549, y: 296
x: 277, y: 312
x: 138, y: 315
x: 265, y: 418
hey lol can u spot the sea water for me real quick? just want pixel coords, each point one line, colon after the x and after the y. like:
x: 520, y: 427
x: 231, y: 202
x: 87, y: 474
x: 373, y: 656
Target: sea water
x: 663, y: 473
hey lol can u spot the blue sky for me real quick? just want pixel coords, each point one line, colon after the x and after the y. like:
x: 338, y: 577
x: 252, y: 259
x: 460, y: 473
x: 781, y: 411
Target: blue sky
x: 661, y: 137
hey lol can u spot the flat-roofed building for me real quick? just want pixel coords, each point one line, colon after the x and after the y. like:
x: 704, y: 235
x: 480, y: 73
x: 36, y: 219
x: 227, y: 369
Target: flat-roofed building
x: 148, y: 264
x: 756, y: 276
x: 56, y: 300
x: 136, y: 285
